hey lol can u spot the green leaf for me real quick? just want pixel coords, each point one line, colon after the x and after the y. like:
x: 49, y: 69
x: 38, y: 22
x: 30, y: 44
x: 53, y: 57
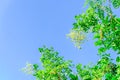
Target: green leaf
x: 101, y: 50
x: 98, y: 43
x: 77, y: 17
x: 108, y: 76
x: 72, y: 76
x: 118, y: 59
x: 40, y: 49
x: 96, y: 36
x: 35, y: 66
x: 118, y: 19
x: 75, y: 26
x: 114, y: 78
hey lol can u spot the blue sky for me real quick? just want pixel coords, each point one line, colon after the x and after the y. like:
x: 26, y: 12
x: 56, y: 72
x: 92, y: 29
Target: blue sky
x: 26, y: 25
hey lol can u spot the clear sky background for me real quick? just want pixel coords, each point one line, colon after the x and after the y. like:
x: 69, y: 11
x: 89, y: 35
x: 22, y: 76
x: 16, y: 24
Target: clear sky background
x: 26, y: 25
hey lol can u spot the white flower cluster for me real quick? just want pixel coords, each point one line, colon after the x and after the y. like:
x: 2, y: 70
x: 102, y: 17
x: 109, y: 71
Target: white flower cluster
x: 77, y: 37
x: 28, y: 68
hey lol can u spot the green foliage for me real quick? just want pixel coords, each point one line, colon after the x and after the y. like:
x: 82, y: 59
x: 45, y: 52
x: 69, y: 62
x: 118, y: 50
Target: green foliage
x: 105, y: 26
x: 116, y: 3
x: 106, y: 29
x: 55, y: 68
